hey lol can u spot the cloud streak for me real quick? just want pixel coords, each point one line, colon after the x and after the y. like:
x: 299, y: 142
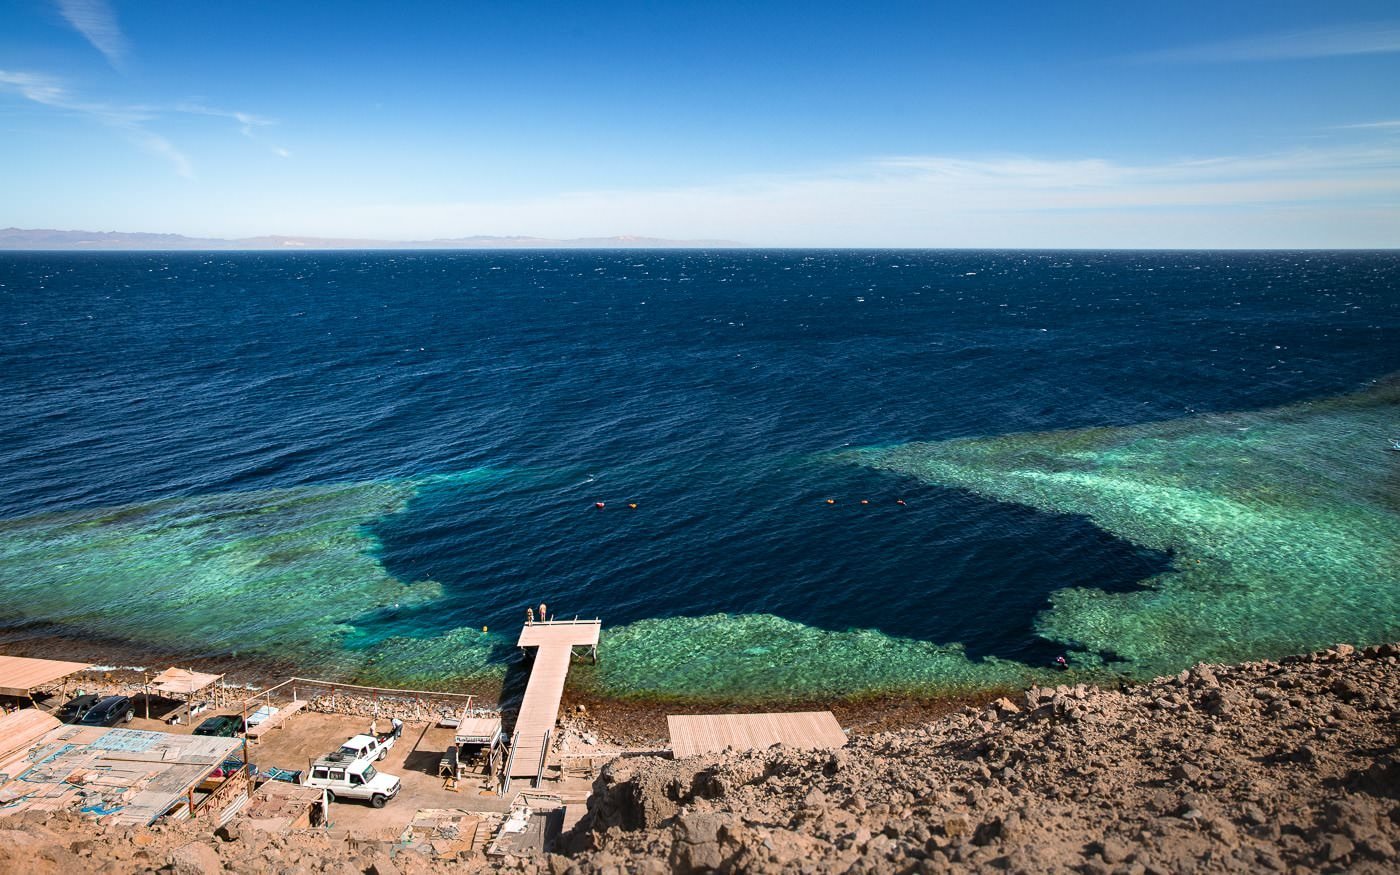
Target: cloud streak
x: 247, y: 122
x: 1327, y: 42
x: 97, y: 23
x: 1374, y: 126
x: 130, y: 120
x: 931, y: 200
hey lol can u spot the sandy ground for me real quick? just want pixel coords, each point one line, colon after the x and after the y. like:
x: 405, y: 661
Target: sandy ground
x: 414, y: 760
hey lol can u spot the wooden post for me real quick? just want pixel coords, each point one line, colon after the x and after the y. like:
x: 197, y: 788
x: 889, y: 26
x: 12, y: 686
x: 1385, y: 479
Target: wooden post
x: 243, y: 715
x: 146, y: 683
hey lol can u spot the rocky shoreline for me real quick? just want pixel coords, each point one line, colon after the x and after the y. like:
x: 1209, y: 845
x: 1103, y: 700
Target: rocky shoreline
x: 1289, y: 766
x: 634, y: 721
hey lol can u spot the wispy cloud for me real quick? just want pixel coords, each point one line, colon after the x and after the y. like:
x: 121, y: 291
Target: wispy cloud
x: 932, y: 200
x: 1383, y: 126
x: 248, y: 124
x: 130, y: 119
x: 95, y: 20
x: 35, y: 87
x: 1356, y: 39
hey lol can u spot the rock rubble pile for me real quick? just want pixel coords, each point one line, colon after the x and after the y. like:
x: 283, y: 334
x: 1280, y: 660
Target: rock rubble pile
x: 1265, y: 766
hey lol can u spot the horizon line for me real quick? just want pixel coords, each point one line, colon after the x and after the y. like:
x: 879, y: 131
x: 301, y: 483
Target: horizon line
x: 692, y: 248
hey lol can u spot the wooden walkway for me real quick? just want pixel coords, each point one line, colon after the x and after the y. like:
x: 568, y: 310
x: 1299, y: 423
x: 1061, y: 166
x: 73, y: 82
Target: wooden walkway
x: 712, y: 733
x: 555, y: 642
x: 274, y: 720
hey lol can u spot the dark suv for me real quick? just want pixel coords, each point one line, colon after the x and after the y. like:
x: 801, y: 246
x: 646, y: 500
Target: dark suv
x: 76, y: 707
x: 109, y: 712
x: 227, y: 726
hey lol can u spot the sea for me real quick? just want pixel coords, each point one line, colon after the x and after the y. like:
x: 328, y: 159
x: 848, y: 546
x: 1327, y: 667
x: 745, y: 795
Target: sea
x: 370, y: 463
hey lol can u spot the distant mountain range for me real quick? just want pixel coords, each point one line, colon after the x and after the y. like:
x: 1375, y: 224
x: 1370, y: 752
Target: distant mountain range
x: 44, y: 238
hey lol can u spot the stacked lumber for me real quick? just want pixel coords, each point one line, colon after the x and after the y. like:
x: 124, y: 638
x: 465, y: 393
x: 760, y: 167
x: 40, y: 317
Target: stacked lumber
x: 21, y: 730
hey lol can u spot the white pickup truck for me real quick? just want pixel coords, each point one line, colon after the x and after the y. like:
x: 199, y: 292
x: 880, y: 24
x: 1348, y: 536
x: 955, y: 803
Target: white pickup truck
x: 371, y: 747
x: 353, y: 779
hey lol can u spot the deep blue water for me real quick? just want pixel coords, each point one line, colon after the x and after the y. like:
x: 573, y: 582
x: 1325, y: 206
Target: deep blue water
x: 707, y: 387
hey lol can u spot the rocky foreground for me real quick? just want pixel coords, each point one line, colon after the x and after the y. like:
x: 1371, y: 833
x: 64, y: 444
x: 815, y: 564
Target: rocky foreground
x: 1288, y: 767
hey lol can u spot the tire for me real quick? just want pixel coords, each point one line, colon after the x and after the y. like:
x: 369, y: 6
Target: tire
x: 129, y: 715
x: 382, y: 755
x: 330, y: 797
x: 378, y: 800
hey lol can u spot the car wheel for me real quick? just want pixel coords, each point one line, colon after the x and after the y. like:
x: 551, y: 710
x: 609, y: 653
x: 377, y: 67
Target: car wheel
x: 330, y: 797
x: 129, y: 715
x: 378, y: 800
x: 382, y: 755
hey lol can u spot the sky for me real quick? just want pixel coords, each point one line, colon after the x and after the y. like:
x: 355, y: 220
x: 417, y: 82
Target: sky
x: 1234, y: 124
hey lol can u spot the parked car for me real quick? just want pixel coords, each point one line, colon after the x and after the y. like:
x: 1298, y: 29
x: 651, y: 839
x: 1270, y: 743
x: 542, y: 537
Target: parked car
x: 233, y: 766
x: 109, y: 712
x: 353, y: 779
x: 225, y: 726
x: 76, y: 707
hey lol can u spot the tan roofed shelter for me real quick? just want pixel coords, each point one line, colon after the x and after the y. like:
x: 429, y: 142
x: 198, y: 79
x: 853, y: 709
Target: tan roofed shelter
x: 181, y: 681
x: 20, y: 675
x: 712, y: 733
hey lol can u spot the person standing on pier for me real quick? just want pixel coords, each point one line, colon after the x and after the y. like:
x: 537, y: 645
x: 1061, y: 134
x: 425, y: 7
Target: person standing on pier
x: 542, y: 614
x: 529, y: 616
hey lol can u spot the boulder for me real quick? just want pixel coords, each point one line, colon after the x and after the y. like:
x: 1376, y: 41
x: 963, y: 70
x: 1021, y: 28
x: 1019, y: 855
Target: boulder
x: 194, y: 858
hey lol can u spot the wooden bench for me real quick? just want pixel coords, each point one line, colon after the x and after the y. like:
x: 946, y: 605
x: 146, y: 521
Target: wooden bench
x: 274, y: 720
x: 450, y: 766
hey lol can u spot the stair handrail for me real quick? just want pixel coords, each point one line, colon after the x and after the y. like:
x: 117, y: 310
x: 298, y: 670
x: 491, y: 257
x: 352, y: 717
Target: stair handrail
x: 514, y: 746
x: 544, y: 757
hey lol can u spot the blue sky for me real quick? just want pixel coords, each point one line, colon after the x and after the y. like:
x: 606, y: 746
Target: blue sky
x: 790, y: 124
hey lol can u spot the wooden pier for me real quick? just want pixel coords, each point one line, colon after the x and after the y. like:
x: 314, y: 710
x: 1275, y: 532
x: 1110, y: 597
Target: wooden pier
x: 693, y: 734
x: 556, y: 642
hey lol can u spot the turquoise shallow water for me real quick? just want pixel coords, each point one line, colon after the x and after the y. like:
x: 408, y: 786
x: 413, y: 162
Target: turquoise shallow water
x: 1283, y: 525
x: 357, y: 462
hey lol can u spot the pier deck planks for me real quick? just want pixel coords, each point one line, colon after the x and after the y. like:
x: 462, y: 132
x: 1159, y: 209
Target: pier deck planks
x: 539, y: 709
x: 710, y: 733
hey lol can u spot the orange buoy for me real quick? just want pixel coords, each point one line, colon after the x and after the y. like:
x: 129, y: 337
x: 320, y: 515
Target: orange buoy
x: 633, y: 505
x: 865, y: 501
x: 599, y: 505
x: 831, y: 501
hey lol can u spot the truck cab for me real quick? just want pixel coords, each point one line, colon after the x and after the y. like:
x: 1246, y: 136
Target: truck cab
x: 372, y: 746
x: 366, y: 747
x: 351, y: 779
